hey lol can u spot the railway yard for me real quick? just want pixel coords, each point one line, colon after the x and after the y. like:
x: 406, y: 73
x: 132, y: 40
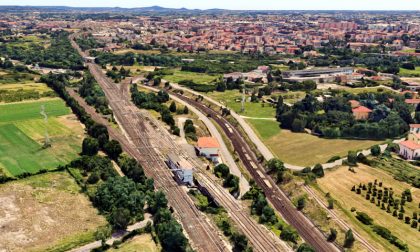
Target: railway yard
x: 148, y: 142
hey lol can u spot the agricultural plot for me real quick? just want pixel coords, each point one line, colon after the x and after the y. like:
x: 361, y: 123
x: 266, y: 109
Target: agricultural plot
x: 410, y: 73
x: 22, y: 134
x: 46, y: 213
x: 339, y: 183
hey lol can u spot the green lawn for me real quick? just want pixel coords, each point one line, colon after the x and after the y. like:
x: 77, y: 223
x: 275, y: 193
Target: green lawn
x: 31, y: 110
x: 264, y: 128
x: 410, y: 73
x: 199, y: 78
x: 232, y: 98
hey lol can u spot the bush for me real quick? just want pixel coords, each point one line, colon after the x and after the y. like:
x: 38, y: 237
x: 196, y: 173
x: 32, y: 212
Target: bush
x: 301, y: 203
x: 221, y: 170
x: 364, y: 218
x: 375, y: 150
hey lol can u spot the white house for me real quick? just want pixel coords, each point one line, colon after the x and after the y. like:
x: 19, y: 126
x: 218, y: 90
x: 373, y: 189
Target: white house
x: 409, y: 149
x: 209, y: 148
x: 181, y: 167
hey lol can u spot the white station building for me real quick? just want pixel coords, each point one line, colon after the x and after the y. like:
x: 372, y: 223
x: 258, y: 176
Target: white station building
x: 181, y: 167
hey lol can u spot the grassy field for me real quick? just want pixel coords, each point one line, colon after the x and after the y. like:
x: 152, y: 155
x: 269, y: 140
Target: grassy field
x: 22, y: 134
x: 40, y: 87
x: 338, y: 183
x: 292, y: 147
x: 46, y: 213
x: 31, y: 110
x: 199, y: 78
x: 232, y: 98
x: 264, y: 128
x: 410, y: 73
x: 143, y: 243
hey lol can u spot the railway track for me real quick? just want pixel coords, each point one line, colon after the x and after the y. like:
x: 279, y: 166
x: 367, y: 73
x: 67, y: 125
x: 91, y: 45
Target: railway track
x: 278, y: 199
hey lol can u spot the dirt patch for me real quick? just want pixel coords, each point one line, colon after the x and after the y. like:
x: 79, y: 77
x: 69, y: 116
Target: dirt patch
x: 42, y: 211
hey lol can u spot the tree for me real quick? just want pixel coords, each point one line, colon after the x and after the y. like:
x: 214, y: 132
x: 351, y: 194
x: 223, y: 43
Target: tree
x: 113, y: 149
x: 185, y: 110
x: 172, y: 107
x: 352, y: 158
x: 298, y: 125
x: 301, y: 203
x: 318, y: 170
x: 289, y: 234
x: 240, y: 241
x: 375, y: 150
x: 275, y: 165
x: 305, y: 248
x: 90, y: 146
x: 221, y: 170
x: 333, y: 235
x: 349, y: 239
x: 120, y: 218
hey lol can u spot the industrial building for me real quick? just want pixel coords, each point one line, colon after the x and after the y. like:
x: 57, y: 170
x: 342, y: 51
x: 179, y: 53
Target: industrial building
x: 318, y: 74
x: 181, y: 167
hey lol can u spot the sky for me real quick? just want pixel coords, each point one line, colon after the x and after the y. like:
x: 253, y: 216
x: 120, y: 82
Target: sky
x: 234, y: 4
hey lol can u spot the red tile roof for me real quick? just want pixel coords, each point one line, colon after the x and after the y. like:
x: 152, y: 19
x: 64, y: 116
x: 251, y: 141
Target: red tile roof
x: 412, y: 101
x: 415, y: 125
x: 361, y: 109
x: 410, y: 145
x: 207, y: 142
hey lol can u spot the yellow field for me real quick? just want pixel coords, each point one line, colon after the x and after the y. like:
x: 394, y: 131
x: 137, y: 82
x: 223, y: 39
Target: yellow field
x: 305, y: 149
x: 40, y: 87
x: 46, y: 213
x: 339, y: 182
x: 141, y: 243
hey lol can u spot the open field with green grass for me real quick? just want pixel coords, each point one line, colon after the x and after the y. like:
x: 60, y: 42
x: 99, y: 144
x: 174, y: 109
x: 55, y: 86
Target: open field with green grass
x: 410, y: 73
x: 338, y: 183
x: 232, y: 98
x: 199, y: 78
x: 143, y: 243
x: 305, y: 149
x: 22, y: 134
x: 46, y: 212
x: 31, y: 110
x: 367, y: 89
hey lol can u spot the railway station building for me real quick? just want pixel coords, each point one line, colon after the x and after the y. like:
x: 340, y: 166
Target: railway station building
x: 182, y: 168
x: 209, y: 148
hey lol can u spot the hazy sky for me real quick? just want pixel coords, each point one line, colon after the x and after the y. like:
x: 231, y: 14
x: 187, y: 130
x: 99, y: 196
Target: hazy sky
x: 236, y: 4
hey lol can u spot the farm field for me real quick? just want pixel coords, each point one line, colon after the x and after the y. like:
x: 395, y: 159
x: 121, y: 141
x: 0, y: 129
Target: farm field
x: 143, y: 243
x: 338, y: 183
x: 39, y: 214
x: 409, y: 73
x: 40, y: 87
x: 22, y: 135
x: 31, y: 110
x: 291, y: 147
x: 199, y: 78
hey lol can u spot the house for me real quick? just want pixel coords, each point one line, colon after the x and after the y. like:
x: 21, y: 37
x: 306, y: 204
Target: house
x: 182, y: 168
x: 414, y: 128
x: 413, y: 102
x: 361, y: 113
x: 409, y: 149
x: 354, y: 104
x: 209, y: 148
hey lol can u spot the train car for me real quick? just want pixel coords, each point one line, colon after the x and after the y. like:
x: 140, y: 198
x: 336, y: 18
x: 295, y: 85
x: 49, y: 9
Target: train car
x: 267, y: 183
x: 260, y: 174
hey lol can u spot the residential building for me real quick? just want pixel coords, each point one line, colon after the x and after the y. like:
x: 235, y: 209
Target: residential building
x: 209, y: 148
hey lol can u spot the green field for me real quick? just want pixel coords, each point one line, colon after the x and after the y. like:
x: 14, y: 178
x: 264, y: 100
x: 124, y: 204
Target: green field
x: 232, y: 98
x: 199, y: 78
x: 22, y: 133
x: 31, y: 110
x: 410, y: 73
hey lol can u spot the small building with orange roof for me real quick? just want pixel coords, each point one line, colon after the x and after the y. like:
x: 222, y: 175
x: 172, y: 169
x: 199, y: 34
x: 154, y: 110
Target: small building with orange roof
x: 354, y: 103
x: 361, y: 113
x: 209, y: 148
x: 409, y: 149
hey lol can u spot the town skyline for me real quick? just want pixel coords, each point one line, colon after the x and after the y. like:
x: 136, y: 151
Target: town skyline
x: 357, y: 5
